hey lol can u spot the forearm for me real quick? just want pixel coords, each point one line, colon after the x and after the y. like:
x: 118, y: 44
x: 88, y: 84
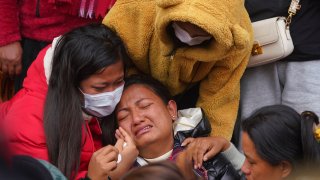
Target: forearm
x: 219, y: 93
x: 234, y: 156
x: 222, y: 113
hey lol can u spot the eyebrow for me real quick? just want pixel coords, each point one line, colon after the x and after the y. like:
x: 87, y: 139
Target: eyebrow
x: 108, y: 83
x: 247, y: 156
x: 137, y: 102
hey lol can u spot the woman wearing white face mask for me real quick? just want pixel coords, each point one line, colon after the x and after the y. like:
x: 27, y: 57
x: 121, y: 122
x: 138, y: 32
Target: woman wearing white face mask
x: 62, y: 112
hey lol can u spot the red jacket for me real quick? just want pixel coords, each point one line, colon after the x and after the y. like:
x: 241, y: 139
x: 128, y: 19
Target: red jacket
x: 19, y: 19
x: 23, y: 121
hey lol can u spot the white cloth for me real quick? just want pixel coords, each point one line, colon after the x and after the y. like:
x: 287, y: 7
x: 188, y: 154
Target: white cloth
x: 187, y: 119
x: 47, y: 62
x: 143, y: 161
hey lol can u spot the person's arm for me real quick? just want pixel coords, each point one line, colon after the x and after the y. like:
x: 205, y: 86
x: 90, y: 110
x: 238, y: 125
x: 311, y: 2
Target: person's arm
x: 10, y: 47
x: 219, y: 93
x: 234, y: 156
x: 205, y: 148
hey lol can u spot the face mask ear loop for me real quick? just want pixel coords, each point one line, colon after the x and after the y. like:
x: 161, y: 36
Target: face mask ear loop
x: 82, y: 102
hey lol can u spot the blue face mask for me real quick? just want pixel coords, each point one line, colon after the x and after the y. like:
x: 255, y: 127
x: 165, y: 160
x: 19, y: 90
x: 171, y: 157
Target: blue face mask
x: 102, y: 104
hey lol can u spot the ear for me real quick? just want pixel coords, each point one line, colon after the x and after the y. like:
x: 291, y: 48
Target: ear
x: 240, y: 36
x: 172, y: 109
x: 286, y: 168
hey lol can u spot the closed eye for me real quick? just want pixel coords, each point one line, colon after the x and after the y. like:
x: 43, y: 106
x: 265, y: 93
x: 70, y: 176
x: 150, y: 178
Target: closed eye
x: 145, y: 106
x: 120, y: 82
x: 122, y: 115
x: 99, y: 89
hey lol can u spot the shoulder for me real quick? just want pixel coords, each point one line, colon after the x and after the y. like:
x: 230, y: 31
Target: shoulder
x: 219, y: 166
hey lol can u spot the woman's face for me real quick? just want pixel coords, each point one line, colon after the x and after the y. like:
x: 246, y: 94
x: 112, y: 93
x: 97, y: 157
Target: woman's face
x: 256, y: 168
x: 146, y: 118
x: 107, y: 80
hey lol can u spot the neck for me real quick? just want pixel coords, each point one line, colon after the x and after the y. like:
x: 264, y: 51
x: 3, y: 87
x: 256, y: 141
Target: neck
x: 156, y: 149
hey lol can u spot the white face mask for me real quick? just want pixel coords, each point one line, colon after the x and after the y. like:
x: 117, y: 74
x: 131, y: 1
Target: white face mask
x: 185, y: 37
x: 102, y: 104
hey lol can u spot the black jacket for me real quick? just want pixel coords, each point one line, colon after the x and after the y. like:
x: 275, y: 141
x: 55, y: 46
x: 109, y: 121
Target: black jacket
x: 218, y: 167
x: 304, y: 29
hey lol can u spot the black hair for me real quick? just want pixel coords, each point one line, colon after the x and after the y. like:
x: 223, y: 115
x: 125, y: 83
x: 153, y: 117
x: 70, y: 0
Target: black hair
x: 154, y: 85
x: 163, y: 170
x: 275, y: 132
x: 310, y: 145
x: 78, y: 55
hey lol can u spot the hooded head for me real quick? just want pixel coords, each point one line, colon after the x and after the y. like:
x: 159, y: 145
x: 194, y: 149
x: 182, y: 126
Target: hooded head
x: 226, y: 21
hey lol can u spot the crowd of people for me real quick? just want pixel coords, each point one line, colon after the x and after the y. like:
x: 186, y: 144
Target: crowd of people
x: 139, y: 89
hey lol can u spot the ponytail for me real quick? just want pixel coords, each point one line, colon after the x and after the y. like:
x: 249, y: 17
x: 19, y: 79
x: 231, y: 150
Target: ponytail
x: 310, y: 140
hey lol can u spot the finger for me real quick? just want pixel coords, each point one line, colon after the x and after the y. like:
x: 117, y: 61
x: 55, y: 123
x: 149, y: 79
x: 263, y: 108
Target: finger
x: 199, y: 148
x: 194, y: 146
x: 11, y: 70
x: 4, y: 68
x: 200, y: 154
x: 187, y: 141
x: 106, y: 150
x: 119, y: 144
x: 110, y: 166
x: 18, y: 68
x: 127, y: 137
x: 119, y: 134
x: 211, y: 153
x: 107, y: 158
x: 192, y: 152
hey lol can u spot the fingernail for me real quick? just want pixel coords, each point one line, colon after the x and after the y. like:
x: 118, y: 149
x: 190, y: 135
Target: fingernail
x: 205, y: 158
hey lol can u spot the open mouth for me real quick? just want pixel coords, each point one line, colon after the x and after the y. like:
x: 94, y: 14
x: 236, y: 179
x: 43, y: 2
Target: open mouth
x: 143, y: 130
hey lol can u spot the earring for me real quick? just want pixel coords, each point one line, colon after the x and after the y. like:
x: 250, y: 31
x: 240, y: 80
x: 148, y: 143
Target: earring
x: 173, y: 117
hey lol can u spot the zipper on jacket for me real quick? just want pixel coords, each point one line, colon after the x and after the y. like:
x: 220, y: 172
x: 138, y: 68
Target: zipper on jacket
x: 38, y: 8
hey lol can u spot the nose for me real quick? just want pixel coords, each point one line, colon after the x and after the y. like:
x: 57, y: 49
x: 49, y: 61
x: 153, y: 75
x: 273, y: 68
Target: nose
x: 245, y: 168
x: 137, y: 117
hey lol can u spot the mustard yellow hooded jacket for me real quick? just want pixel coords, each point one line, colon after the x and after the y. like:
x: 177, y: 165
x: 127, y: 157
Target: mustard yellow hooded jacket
x: 218, y: 65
